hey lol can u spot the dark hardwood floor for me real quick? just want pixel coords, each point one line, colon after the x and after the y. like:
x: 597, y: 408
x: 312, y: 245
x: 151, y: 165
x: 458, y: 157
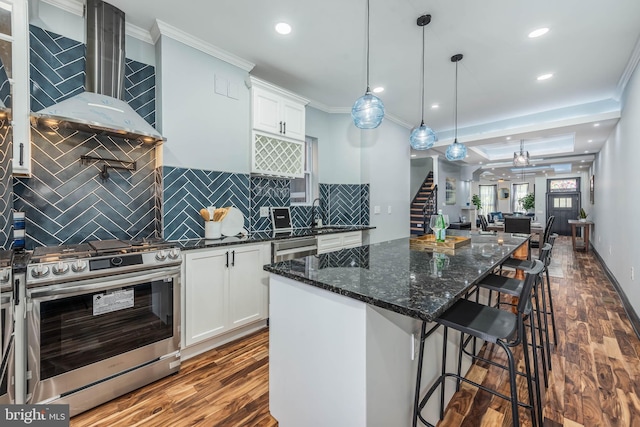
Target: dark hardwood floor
x: 595, y: 379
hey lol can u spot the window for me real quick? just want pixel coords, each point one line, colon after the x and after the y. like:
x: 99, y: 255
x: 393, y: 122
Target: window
x: 303, y: 189
x: 562, y: 202
x: 518, y: 192
x: 563, y: 184
x: 488, y: 195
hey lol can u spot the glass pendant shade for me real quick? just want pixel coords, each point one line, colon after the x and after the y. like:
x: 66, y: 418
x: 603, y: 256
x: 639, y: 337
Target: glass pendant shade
x: 422, y: 137
x: 367, y: 111
x: 521, y: 158
x: 456, y: 151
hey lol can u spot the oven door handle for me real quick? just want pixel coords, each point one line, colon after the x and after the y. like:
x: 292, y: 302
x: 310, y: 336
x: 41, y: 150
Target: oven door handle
x: 117, y: 282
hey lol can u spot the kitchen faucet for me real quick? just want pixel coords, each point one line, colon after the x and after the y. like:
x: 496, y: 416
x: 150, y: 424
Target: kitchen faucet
x: 313, y: 212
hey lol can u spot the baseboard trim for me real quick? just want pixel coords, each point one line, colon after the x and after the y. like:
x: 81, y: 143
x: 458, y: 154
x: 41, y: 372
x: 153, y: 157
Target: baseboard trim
x: 628, y: 308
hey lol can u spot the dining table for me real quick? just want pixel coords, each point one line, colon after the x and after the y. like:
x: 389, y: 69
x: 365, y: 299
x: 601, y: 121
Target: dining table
x: 536, y: 228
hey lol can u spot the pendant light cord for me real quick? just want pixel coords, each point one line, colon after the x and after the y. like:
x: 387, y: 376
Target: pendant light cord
x: 368, y: 89
x: 455, y: 115
x: 422, y: 82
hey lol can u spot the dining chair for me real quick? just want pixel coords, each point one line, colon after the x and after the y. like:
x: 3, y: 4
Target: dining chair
x: 515, y: 224
x: 545, y: 237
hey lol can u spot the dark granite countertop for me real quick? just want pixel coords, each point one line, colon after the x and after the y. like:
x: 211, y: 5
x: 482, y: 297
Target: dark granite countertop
x: 393, y: 276
x: 266, y: 236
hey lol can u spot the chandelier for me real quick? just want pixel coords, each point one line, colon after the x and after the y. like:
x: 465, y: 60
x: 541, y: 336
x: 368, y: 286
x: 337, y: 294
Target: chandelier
x: 521, y: 159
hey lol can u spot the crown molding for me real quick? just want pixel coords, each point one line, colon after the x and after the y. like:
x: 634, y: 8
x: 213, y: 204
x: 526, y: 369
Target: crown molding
x: 72, y: 6
x: 632, y: 64
x: 161, y: 28
x: 347, y: 110
x: 138, y: 33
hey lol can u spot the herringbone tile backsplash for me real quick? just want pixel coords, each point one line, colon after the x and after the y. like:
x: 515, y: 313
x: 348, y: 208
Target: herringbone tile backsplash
x: 65, y: 201
x: 186, y: 191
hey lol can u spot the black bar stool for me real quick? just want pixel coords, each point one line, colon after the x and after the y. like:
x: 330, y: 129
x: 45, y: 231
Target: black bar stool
x: 510, y: 286
x: 504, y: 328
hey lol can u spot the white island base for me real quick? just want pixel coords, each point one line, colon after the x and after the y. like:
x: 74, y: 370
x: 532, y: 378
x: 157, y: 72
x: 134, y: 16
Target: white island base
x: 338, y: 362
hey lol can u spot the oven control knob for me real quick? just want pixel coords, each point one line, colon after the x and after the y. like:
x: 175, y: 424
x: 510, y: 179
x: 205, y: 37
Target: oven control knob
x: 161, y: 255
x: 40, y: 271
x: 60, y: 268
x: 174, y: 253
x: 78, y: 266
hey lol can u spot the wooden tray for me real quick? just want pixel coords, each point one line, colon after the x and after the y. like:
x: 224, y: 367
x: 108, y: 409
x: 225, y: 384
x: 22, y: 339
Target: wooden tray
x: 429, y: 241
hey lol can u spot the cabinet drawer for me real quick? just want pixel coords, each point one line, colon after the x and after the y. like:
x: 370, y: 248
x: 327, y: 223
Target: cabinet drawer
x: 329, y: 243
x: 352, y: 240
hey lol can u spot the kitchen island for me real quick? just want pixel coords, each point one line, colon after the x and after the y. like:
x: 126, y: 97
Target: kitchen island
x: 345, y: 328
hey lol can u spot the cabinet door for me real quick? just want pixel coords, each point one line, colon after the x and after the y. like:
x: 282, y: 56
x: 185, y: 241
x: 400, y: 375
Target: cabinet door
x: 293, y: 116
x: 20, y: 92
x: 206, y: 284
x: 266, y: 113
x: 246, y: 287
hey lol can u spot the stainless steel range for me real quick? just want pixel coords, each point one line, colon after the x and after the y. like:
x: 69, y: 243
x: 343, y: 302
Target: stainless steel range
x: 7, y: 345
x: 102, y: 318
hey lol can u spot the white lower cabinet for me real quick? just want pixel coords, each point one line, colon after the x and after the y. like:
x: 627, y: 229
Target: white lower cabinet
x: 225, y: 288
x: 337, y: 241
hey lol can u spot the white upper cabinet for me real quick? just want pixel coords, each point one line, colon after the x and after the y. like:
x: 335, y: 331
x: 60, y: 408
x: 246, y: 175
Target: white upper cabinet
x: 15, y: 39
x: 278, y: 123
x: 277, y: 111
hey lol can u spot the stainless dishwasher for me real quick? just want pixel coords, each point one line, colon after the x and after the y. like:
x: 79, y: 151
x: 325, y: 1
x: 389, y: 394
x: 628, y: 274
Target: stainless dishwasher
x: 283, y: 250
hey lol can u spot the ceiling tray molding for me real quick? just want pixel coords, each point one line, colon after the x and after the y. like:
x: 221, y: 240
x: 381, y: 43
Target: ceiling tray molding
x: 162, y: 28
x: 632, y: 64
x: 347, y: 110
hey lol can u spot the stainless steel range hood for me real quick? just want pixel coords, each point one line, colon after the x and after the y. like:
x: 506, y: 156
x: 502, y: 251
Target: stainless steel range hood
x: 101, y: 109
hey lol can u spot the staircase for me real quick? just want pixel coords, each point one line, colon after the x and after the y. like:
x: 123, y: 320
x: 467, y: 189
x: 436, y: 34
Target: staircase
x: 423, y: 205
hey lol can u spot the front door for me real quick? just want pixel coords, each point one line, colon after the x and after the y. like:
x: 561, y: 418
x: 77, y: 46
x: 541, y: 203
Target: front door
x: 564, y: 206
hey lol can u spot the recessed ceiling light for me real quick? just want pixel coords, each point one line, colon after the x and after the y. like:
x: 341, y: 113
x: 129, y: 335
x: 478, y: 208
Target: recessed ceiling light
x: 378, y: 89
x: 591, y: 140
x: 581, y: 161
x: 479, y: 163
x: 539, y: 32
x: 545, y: 76
x: 586, y: 151
x: 435, y: 106
x: 596, y: 124
x: 413, y: 155
x: 283, y: 28
x: 508, y: 138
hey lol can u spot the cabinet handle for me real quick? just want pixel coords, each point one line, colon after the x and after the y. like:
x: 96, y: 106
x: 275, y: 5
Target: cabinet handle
x: 284, y: 125
x: 21, y: 161
x: 280, y: 127
x: 16, y: 292
x: 233, y: 258
x: 227, y: 260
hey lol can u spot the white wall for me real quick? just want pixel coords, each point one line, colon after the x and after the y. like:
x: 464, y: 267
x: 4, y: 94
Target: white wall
x: 338, y: 149
x: 204, y: 130
x: 385, y: 166
x: 617, y: 204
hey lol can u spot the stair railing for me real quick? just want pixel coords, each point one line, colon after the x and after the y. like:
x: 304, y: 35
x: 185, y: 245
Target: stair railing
x: 429, y: 208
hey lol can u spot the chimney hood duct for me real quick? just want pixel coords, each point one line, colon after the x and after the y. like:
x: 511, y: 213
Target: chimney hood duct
x: 101, y: 109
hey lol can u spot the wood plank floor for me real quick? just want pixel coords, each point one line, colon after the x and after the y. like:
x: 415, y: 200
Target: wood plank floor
x: 595, y: 379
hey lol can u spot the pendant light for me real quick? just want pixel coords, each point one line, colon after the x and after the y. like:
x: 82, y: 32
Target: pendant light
x: 521, y: 159
x: 422, y: 137
x: 456, y: 151
x: 368, y: 110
